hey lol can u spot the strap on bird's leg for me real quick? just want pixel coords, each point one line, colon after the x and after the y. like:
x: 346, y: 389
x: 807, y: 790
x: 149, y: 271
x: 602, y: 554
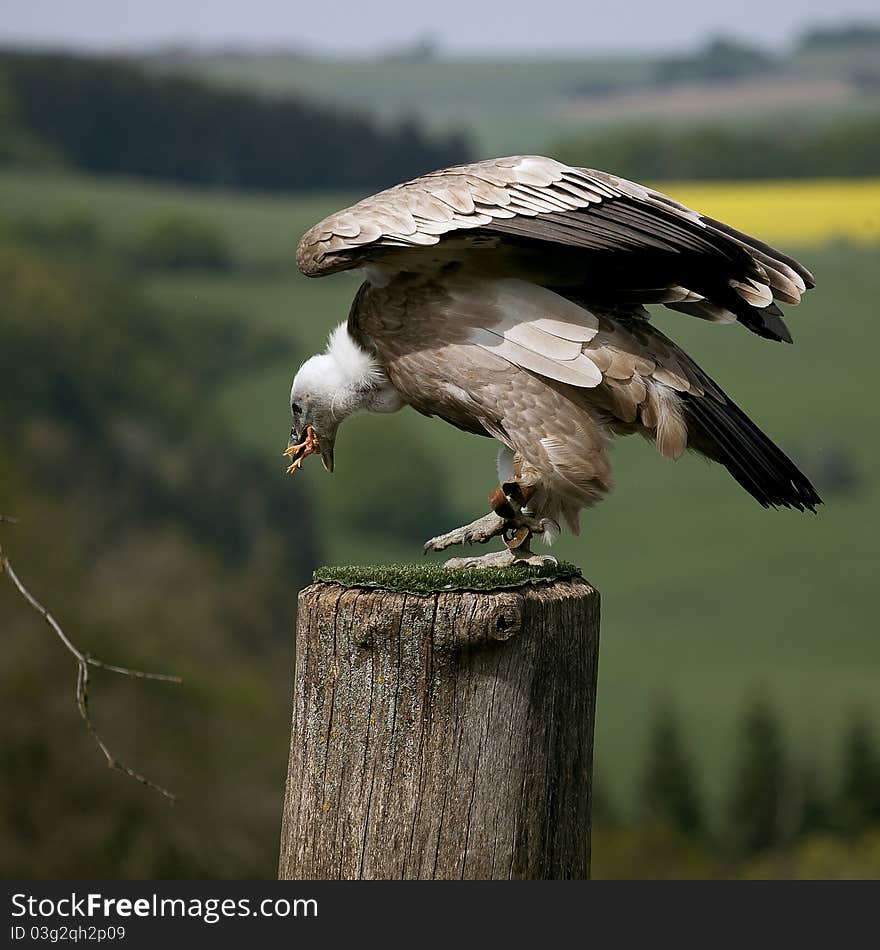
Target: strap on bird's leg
x: 517, y: 539
x: 501, y: 505
x: 507, y: 501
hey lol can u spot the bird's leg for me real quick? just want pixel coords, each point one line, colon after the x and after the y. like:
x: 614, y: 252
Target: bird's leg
x: 477, y: 532
x: 506, y: 519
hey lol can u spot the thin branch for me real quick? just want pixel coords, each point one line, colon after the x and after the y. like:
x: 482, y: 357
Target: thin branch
x: 84, y: 661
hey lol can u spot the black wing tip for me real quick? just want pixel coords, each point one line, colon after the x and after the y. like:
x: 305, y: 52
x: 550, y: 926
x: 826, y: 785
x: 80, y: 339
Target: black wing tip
x: 724, y: 433
x: 789, y: 489
x: 775, y: 330
x: 803, y: 498
x: 773, y: 319
x: 765, y: 322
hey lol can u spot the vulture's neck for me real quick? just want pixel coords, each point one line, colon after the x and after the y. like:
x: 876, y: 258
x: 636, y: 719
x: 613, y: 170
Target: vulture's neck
x: 360, y: 382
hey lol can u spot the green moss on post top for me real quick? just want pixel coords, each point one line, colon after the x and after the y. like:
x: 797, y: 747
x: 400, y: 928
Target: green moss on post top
x: 431, y: 578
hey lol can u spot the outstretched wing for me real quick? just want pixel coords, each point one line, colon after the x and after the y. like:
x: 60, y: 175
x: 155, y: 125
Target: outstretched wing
x: 611, y: 240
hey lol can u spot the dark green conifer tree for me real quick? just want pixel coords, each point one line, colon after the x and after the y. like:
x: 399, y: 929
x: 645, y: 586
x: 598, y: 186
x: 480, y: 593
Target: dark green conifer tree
x: 757, y: 812
x: 669, y: 794
x: 859, y: 796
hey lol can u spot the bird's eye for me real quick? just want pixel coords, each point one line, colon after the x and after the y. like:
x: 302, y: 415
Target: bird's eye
x: 295, y: 408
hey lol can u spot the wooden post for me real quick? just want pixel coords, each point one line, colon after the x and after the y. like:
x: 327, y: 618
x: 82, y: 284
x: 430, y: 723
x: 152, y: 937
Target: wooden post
x: 445, y: 736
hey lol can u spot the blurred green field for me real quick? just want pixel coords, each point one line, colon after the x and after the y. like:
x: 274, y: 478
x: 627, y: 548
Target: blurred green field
x: 525, y: 104
x: 705, y: 595
x: 489, y: 97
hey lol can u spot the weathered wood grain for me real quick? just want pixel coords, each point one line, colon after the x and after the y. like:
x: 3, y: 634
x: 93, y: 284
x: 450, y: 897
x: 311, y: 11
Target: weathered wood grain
x: 442, y: 736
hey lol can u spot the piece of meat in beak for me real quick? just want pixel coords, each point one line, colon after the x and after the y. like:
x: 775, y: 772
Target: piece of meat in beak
x: 300, y: 447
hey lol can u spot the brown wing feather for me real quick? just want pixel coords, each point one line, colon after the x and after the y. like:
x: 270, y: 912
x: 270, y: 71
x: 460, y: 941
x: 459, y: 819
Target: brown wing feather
x: 437, y: 342
x: 512, y: 208
x: 439, y: 370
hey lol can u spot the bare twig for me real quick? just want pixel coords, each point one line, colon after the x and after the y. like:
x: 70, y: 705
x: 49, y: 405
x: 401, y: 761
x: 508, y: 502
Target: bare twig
x: 84, y: 661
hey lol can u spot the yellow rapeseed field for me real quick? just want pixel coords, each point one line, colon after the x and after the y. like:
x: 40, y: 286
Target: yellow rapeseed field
x: 794, y: 212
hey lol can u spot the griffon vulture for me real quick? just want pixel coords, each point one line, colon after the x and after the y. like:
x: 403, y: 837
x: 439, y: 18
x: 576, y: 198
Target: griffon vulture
x: 507, y: 297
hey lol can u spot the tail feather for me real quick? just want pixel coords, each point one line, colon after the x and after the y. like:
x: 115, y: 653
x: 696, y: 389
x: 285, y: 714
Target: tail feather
x: 721, y: 431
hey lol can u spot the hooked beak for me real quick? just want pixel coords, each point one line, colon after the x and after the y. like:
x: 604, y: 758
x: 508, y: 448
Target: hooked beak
x: 327, y: 457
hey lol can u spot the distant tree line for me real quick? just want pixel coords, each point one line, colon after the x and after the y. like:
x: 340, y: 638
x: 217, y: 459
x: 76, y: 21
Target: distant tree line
x: 840, y: 36
x: 848, y: 147
x: 772, y: 799
x: 727, y: 59
x: 169, y: 241
x: 720, y: 60
x: 109, y: 116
